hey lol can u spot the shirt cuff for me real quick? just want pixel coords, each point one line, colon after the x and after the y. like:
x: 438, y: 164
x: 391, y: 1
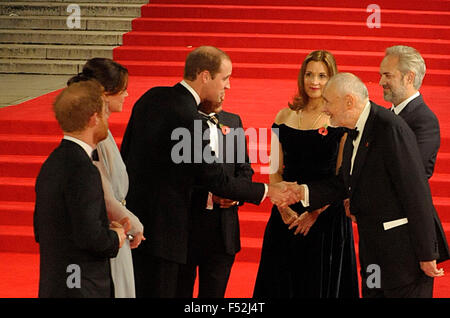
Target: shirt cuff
x: 305, y: 200
x: 266, y: 189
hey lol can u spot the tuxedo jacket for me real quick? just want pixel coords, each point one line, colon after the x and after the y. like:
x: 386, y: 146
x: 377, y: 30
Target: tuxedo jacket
x: 234, y: 155
x: 72, y: 227
x: 162, y: 120
x: 388, y: 183
x: 425, y: 126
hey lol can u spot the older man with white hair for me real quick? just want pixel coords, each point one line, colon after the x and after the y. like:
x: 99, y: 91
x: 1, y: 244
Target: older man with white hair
x: 383, y: 176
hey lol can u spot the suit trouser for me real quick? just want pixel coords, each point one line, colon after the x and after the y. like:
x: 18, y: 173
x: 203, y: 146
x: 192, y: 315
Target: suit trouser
x: 154, y: 277
x: 207, y: 253
x: 422, y: 287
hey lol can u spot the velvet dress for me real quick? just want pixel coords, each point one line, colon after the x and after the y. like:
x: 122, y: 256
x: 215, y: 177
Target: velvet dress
x: 321, y: 264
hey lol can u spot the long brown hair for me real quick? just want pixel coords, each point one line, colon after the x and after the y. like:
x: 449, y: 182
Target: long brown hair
x: 301, y: 99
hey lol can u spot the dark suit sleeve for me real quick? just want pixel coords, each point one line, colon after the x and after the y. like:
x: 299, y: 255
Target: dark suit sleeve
x: 85, y: 202
x: 243, y: 169
x: 326, y: 192
x: 426, y: 128
x: 406, y: 171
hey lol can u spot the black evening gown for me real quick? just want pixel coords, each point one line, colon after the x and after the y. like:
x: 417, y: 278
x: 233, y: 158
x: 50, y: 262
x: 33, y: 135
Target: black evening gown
x: 321, y: 264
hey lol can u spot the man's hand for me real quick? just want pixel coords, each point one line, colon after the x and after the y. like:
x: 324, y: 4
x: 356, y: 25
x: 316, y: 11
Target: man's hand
x: 138, y: 238
x: 118, y: 228
x: 285, y: 193
x: 430, y: 269
x: 224, y: 203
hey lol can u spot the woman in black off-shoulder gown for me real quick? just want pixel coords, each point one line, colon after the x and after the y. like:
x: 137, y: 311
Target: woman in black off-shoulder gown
x: 321, y: 264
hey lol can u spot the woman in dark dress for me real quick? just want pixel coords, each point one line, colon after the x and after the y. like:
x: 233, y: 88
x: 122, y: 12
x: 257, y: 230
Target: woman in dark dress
x: 316, y: 256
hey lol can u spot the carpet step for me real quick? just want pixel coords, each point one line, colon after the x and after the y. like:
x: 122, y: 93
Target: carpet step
x: 271, y: 71
x: 442, y: 163
x: 60, y: 9
x: 267, y: 55
x: 439, y: 184
x: 297, y: 11
x: 18, y: 239
x: 17, y: 189
x: 34, y: 145
x: 287, y: 41
x: 61, y: 37
x: 20, y: 166
x: 54, y: 52
x: 300, y: 26
x: 39, y: 145
x: 16, y: 213
x: 386, y: 4
x: 60, y: 23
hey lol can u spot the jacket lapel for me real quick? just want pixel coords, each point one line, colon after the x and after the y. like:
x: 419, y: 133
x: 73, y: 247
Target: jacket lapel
x: 363, y: 147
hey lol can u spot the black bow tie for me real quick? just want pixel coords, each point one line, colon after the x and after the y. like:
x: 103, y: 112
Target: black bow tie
x: 353, y: 133
x: 94, y: 155
x: 211, y: 118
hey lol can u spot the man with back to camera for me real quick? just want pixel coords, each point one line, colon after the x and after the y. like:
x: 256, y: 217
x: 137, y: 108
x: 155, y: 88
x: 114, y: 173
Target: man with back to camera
x: 70, y: 220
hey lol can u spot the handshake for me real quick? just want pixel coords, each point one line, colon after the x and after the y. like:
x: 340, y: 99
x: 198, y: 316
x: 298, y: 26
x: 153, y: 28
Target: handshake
x: 285, y: 193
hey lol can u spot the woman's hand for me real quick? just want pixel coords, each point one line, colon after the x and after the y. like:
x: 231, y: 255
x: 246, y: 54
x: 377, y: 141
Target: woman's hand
x: 306, y: 220
x: 287, y: 215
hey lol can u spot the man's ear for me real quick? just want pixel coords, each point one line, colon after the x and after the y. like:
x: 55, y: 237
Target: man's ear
x: 410, y: 76
x: 205, y: 76
x: 349, y: 101
x: 94, y: 120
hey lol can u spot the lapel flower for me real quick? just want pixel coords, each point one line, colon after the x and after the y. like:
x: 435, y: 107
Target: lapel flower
x: 323, y: 130
x: 225, y: 129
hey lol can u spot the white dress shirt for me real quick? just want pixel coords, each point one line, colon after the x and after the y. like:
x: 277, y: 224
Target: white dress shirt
x: 360, y: 127
x: 214, y: 144
x: 397, y: 109
x: 198, y: 100
x: 82, y: 144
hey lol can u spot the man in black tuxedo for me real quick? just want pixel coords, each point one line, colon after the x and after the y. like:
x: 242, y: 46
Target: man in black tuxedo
x: 383, y: 176
x: 163, y: 150
x: 402, y: 71
x: 70, y: 220
x: 214, y: 237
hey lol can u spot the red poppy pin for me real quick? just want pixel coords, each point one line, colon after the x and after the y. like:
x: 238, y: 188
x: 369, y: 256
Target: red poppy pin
x: 323, y: 130
x: 225, y: 129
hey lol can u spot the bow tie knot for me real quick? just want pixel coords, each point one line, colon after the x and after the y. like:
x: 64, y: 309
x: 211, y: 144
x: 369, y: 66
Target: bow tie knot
x: 353, y: 133
x: 212, y: 118
x: 94, y: 155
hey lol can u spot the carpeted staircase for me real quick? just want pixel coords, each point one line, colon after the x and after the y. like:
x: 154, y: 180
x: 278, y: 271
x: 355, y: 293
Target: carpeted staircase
x: 267, y: 41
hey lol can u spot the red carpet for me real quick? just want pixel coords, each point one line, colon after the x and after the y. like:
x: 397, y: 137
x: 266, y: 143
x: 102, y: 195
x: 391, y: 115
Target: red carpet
x: 267, y: 43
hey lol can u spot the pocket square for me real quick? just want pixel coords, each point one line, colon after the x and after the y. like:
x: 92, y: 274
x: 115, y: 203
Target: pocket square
x: 391, y: 224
